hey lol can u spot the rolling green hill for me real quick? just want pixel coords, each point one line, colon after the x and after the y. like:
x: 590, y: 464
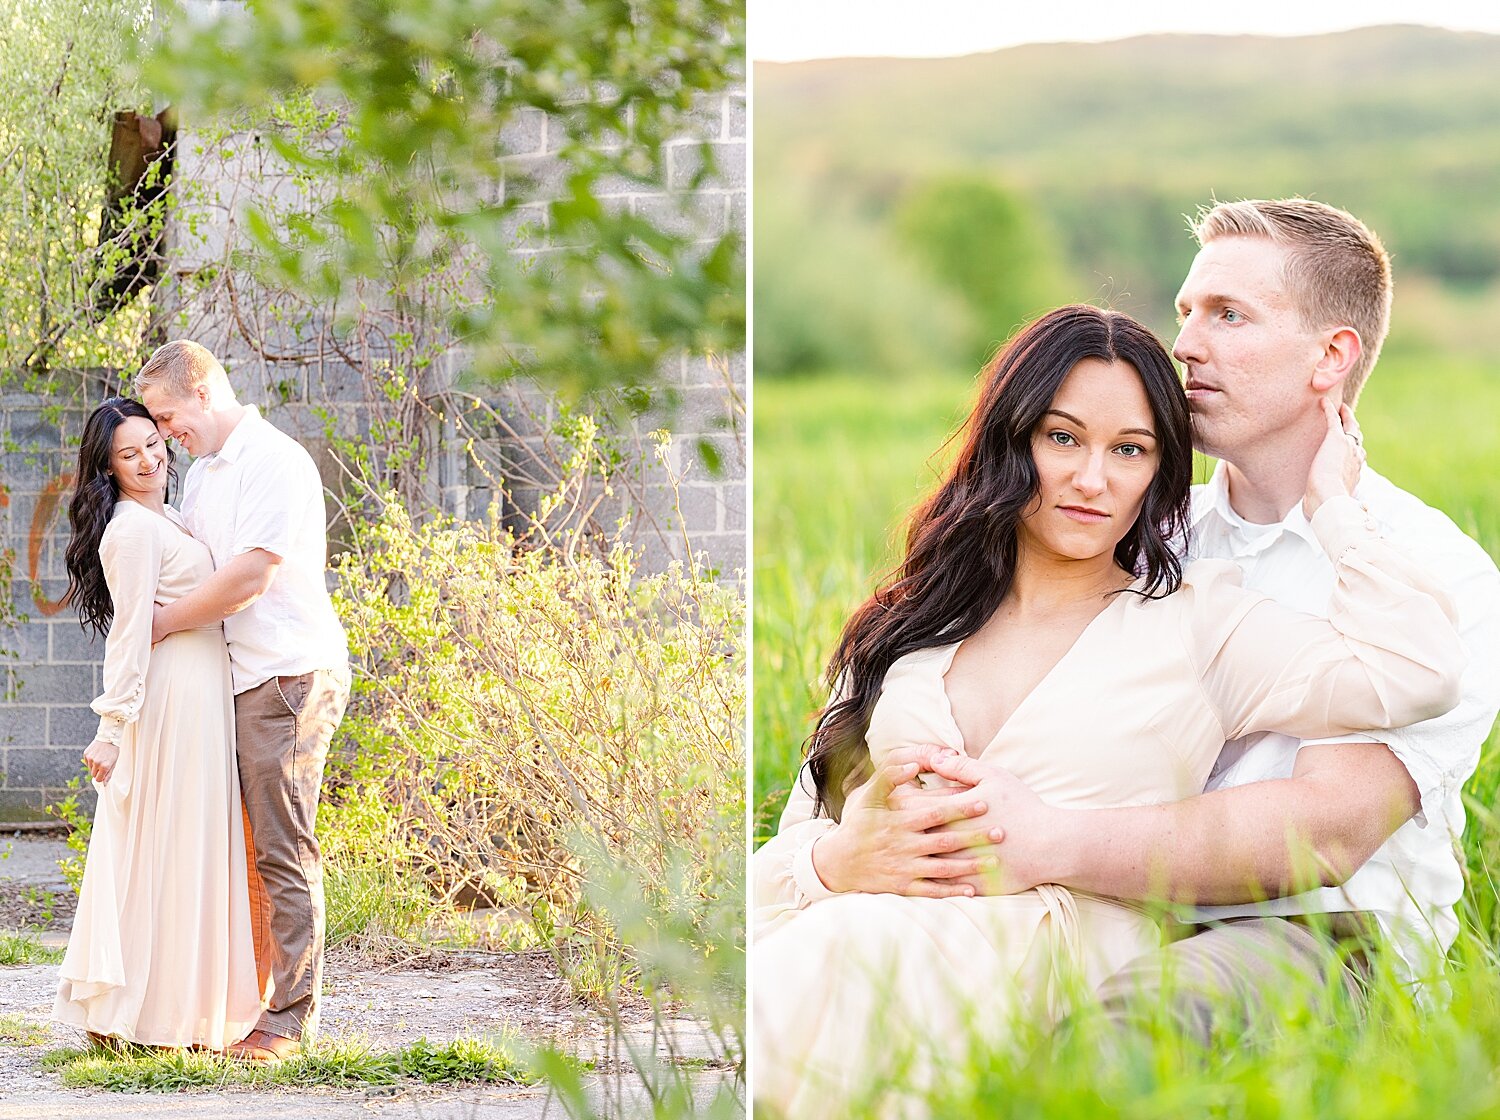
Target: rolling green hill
x: 1112, y: 143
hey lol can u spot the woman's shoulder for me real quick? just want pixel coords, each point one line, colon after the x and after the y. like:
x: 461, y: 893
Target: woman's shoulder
x: 1211, y: 594
x: 130, y: 521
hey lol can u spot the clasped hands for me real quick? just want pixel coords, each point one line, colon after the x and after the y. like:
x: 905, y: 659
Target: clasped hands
x: 986, y: 833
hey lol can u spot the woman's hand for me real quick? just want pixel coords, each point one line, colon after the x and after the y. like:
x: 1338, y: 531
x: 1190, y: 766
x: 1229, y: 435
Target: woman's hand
x: 100, y: 757
x: 1335, y: 468
x: 883, y: 848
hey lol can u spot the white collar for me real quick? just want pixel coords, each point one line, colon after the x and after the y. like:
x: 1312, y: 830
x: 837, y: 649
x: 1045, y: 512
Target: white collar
x: 1212, y: 510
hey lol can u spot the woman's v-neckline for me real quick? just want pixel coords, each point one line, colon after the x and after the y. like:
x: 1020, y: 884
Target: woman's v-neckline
x: 952, y: 652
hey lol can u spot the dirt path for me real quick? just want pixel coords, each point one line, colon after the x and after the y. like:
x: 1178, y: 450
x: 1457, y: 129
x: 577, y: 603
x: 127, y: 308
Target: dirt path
x: 439, y: 997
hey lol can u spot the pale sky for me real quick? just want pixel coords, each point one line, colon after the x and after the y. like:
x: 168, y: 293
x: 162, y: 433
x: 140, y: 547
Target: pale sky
x: 791, y: 30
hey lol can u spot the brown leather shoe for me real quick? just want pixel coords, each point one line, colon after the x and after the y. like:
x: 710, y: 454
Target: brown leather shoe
x: 265, y: 1048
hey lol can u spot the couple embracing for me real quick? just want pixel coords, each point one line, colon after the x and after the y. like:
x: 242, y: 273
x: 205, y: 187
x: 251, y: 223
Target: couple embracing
x: 1089, y: 685
x: 200, y: 917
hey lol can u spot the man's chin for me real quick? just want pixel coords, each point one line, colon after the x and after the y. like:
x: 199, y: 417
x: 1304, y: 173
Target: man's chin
x: 1203, y: 437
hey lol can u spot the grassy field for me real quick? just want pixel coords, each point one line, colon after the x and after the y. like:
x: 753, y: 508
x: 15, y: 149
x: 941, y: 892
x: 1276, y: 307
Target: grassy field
x: 840, y: 459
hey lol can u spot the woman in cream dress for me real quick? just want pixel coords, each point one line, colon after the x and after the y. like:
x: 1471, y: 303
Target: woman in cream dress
x: 1070, y: 490
x: 160, y: 951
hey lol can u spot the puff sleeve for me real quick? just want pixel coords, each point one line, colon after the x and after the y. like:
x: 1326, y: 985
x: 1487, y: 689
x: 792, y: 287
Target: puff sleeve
x: 782, y: 877
x: 131, y: 552
x: 1388, y: 655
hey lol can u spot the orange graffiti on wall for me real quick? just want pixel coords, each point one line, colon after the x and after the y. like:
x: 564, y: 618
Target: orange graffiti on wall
x: 47, y: 503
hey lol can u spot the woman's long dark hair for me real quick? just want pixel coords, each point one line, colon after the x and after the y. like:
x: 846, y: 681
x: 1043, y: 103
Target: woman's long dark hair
x: 94, y: 498
x: 961, y: 542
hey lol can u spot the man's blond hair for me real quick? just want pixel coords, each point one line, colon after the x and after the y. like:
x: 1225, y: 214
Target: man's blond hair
x: 1337, y: 271
x: 180, y: 366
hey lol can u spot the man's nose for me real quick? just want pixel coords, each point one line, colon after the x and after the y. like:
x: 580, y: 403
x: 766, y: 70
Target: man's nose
x: 1188, y: 346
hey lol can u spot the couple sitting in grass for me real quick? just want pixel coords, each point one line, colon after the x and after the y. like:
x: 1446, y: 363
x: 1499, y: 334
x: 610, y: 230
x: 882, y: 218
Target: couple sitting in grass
x: 1086, y: 689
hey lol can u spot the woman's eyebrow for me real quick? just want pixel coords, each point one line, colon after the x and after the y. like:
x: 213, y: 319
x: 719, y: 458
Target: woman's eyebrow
x: 1123, y: 431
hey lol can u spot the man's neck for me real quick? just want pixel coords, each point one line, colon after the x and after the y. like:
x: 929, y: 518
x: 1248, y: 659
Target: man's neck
x: 1265, y: 484
x: 230, y: 419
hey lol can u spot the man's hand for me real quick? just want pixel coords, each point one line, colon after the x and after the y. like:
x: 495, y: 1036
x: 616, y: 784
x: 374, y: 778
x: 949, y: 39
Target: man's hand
x: 1027, y: 829
x: 159, y: 628
x: 100, y: 757
x: 228, y: 591
x: 888, y: 842
x: 1335, y: 469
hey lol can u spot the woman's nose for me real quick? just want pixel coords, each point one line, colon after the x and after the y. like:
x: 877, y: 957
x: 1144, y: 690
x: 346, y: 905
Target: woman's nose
x: 1090, y: 477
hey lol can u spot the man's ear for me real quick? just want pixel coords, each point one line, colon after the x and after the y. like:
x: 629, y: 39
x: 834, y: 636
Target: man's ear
x: 204, y: 395
x: 1340, y: 353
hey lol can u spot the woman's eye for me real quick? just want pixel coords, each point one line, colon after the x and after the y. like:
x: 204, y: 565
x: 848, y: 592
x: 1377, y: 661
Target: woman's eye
x: 1062, y: 439
x: 1131, y: 450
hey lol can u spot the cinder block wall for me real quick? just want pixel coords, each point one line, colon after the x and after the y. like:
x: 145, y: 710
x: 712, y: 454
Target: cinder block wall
x: 52, y: 669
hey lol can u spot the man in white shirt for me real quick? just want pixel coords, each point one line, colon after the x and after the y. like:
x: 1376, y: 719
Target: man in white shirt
x: 1286, y: 303
x: 253, y: 495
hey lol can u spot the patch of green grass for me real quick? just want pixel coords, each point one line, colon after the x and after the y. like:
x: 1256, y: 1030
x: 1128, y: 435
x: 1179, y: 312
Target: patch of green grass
x: 24, y: 948
x: 22, y: 1031
x: 342, y: 1064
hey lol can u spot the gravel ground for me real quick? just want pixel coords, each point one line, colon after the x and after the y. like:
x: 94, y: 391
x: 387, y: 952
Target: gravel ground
x: 437, y: 996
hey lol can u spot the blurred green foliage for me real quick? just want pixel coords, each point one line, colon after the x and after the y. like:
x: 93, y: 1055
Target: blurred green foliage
x: 986, y: 246
x: 833, y: 291
x: 431, y: 100
x: 1106, y: 147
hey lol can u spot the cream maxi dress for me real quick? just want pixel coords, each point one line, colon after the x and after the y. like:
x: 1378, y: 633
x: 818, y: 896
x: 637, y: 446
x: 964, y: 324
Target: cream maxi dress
x: 1135, y: 713
x: 161, y: 947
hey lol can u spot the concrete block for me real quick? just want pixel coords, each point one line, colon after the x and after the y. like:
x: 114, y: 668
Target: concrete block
x: 55, y: 684
x: 33, y: 431
x: 23, y: 725
x: 695, y: 463
x: 525, y: 133
x: 734, y: 508
x: 39, y: 599
x: 42, y: 768
x: 694, y: 215
x: 705, y: 409
x: 705, y: 120
x: 534, y: 178
x: 19, y: 806
x: 335, y: 382
x: 27, y: 642
x: 725, y: 553
x: 71, y: 727
x: 727, y: 158
x: 71, y: 642
x: 735, y: 115
x: 700, y: 508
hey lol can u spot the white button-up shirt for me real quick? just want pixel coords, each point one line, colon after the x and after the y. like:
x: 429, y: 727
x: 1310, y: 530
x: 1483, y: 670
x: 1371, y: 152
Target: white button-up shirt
x: 262, y: 490
x: 1412, y: 882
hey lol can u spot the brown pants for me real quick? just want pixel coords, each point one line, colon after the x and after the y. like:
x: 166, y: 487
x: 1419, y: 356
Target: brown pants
x: 1229, y: 976
x: 283, y: 729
